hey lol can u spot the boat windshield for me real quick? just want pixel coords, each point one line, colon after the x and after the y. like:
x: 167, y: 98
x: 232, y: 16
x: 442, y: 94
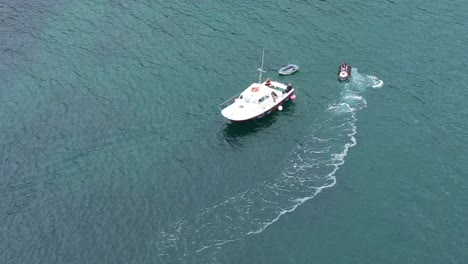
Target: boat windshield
x: 252, y: 99
x: 261, y: 100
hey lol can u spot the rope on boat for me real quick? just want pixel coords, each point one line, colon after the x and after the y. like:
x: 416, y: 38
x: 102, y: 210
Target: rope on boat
x: 217, y: 130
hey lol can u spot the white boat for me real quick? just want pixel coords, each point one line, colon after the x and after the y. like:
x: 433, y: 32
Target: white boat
x: 288, y: 69
x: 258, y: 100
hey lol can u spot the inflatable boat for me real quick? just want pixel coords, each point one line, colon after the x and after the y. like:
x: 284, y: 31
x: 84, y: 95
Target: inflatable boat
x: 288, y: 69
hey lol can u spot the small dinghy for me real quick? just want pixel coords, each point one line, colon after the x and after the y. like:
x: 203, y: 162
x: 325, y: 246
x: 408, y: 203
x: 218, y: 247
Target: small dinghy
x: 344, y: 72
x: 288, y: 69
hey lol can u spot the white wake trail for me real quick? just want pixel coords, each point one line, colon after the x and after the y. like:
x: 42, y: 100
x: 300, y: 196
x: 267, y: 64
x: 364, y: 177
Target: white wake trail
x: 310, y: 168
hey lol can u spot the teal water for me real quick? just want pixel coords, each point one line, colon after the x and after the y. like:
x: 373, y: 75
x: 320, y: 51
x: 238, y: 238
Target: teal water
x: 113, y: 149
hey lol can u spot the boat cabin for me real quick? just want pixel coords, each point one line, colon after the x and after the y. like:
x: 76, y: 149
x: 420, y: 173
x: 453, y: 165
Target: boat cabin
x: 259, y: 94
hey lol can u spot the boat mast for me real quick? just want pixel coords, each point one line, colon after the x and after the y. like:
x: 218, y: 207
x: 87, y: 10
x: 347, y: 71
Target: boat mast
x: 261, y: 68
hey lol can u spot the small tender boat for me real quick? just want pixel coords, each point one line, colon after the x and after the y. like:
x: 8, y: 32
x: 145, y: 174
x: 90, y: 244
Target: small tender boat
x: 344, y: 72
x: 288, y: 69
x: 258, y: 100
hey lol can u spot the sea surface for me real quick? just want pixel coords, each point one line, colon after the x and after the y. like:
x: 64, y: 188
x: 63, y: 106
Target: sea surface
x: 113, y: 149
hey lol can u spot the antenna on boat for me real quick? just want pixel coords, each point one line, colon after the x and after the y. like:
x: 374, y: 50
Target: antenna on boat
x: 261, y: 68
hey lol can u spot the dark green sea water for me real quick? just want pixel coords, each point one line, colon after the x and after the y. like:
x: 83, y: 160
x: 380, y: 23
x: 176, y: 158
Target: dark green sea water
x: 113, y: 150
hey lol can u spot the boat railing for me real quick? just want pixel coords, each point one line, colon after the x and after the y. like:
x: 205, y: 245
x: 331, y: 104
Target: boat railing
x: 228, y: 102
x: 279, y: 89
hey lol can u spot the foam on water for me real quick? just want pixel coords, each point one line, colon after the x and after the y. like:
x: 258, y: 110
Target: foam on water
x: 310, y: 168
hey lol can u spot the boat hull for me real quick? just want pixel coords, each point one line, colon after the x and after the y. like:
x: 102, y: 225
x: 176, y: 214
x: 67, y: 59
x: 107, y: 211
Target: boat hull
x: 266, y: 112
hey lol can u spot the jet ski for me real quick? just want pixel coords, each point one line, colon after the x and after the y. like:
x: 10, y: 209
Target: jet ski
x: 344, y: 72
